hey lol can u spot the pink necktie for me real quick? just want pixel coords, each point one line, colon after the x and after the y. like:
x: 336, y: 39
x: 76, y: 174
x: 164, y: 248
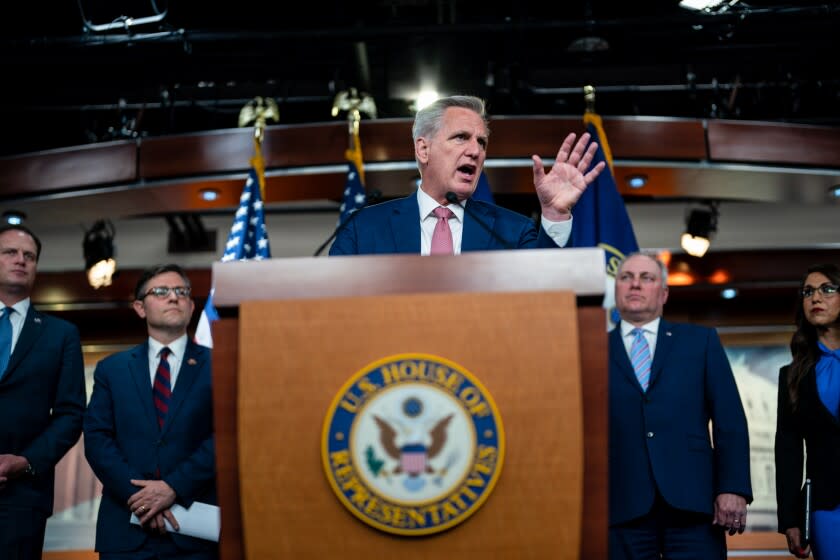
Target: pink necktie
x: 442, y: 236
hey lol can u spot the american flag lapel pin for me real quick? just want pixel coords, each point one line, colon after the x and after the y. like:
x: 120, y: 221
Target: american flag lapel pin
x: 192, y: 361
x: 667, y: 333
x: 38, y: 320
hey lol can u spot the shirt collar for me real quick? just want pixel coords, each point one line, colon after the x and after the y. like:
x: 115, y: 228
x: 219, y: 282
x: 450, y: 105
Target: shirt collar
x: 21, y: 307
x: 177, y: 346
x: 648, y: 328
x: 427, y: 205
x: 824, y: 350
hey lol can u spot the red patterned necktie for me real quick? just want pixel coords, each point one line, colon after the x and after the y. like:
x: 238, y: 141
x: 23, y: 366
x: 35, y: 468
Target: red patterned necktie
x: 162, y: 387
x: 442, y: 236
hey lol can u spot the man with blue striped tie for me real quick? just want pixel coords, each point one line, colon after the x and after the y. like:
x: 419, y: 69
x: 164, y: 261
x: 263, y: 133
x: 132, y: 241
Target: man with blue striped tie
x: 675, y: 486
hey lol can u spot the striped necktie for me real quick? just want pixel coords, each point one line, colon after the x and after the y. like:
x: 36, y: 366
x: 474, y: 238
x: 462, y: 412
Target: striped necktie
x: 640, y: 357
x: 162, y: 388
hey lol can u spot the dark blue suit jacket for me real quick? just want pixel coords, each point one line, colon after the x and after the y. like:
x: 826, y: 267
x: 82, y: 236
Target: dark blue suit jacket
x: 809, y: 427
x: 660, y: 439
x: 394, y: 227
x: 42, y: 400
x: 123, y: 441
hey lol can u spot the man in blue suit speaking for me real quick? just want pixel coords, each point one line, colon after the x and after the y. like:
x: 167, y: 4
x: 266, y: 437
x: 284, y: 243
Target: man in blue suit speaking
x: 450, y: 145
x: 149, y: 429
x: 42, y: 398
x: 674, y: 489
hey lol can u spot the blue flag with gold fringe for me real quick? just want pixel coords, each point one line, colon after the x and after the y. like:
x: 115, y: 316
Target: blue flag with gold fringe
x: 482, y: 190
x: 600, y: 217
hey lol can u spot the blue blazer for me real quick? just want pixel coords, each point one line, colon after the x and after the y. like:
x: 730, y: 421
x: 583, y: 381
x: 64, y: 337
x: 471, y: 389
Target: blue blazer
x: 123, y: 441
x: 42, y: 400
x: 660, y: 439
x: 394, y: 227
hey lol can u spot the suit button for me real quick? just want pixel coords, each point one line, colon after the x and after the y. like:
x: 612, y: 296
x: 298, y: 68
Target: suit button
x: 650, y: 434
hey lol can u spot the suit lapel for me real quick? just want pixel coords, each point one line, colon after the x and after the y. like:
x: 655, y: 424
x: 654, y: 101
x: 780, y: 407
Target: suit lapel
x: 190, y: 366
x: 138, y: 366
x: 474, y: 237
x: 405, y: 230
x: 33, y: 325
x: 620, y: 359
x: 664, y: 344
x: 811, y: 395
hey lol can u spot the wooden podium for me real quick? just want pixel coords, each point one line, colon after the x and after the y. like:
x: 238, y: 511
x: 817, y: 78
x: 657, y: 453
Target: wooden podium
x: 528, y: 324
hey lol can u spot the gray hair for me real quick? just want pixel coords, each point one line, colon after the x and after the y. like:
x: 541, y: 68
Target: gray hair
x: 663, y: 270
x: 429, y: 119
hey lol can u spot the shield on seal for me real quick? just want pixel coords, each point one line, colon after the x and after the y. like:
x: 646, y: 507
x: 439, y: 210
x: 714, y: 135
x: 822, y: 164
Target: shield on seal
x: 413, y: 459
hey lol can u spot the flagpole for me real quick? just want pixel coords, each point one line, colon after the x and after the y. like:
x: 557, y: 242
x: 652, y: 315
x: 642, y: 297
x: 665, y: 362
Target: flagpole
x: 355, y: 103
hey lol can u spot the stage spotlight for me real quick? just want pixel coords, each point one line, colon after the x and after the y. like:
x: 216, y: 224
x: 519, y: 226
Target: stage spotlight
x: 701, y: 223
x: 98, y: 247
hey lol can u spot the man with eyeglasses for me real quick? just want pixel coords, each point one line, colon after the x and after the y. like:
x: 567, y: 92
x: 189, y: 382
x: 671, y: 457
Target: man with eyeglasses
x: 675, y: 489
x: 42, y: 398
x: 149, y: 429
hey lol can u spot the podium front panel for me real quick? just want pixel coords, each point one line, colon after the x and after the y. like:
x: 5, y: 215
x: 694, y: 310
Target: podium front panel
x: 295, y: 355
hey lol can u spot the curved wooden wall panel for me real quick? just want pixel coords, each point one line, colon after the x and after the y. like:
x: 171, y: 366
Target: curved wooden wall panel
x: 774, y: 143
x: 68, y: 168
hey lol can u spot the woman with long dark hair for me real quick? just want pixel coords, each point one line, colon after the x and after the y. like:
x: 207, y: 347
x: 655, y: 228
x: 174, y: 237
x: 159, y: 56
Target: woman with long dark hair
x: 809, y: 413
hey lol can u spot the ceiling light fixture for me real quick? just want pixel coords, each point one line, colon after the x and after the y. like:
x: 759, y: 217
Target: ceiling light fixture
x: 701, y: 224
x: 13, y: 217
x: 209, y: 194
x: 729, y: 293
x: 425, y: 98
x: 637, y: 181
x: 98, y: 247
x: 707, y: 5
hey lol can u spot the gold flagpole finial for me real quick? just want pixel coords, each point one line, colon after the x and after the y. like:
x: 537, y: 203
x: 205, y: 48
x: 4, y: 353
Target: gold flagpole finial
x: 258, y: 111
x: 589, y: 98
x: 355, y: 104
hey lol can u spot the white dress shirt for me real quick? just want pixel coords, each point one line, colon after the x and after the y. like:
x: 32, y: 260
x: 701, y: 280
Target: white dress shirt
x: 16, y: 319
x: 177, y: 348
x: 558, y: 231
x: 649, y: 330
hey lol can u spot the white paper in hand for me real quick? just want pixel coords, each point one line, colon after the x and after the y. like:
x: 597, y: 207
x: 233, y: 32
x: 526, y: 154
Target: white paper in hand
x: 200, y: 520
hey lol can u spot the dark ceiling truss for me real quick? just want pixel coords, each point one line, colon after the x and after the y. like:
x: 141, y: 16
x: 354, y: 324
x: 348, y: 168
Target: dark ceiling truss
x: 89, y: 73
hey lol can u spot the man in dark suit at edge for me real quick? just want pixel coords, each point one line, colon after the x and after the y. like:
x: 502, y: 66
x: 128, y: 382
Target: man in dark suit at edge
x: 42, y: 398
x: 674, y: 488
x: 450, y: 145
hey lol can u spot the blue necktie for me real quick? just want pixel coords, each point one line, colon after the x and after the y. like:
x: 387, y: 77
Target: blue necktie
x: 640, y: 357
x: 5, y: 339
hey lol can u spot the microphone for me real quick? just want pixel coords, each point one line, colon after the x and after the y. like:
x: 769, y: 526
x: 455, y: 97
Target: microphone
x: 371, y: 197
x: 452, y: 198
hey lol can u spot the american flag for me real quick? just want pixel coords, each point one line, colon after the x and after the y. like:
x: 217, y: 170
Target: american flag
x: 354, y: 196
x: 248, y: 240
x: 354, y: 193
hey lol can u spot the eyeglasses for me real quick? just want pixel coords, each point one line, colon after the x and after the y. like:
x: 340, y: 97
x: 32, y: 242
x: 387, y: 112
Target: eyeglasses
x: 825, y: 289
x: 163, y: 291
